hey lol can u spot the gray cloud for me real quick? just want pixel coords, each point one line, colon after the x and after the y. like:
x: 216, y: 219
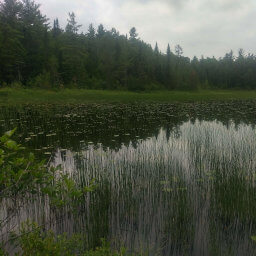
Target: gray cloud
x: 171, y: 3
x: 208, y: 27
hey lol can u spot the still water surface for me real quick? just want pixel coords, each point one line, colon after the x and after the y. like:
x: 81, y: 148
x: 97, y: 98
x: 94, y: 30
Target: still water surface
x: 172, y: 179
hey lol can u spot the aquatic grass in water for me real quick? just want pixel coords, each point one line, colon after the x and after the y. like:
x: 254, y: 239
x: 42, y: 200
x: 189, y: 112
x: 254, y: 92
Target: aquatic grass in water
x: 173, y: 179
x: 192, y: 193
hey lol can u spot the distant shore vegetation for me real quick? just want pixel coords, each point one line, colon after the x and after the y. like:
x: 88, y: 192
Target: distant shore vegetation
x: 10, y: 96
x: 35, y: 53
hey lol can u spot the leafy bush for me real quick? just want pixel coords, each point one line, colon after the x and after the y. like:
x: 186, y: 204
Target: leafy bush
x: 105, y: 250
x: 95, y: 83
x: 41, y: 81
x: 33, y: 241
x: 16, y: 85
x: 136, y: 84
x: 23, y: 177
x: 153, y: 87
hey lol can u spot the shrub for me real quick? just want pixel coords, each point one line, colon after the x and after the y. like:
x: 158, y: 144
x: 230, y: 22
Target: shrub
x: 41, y: 81
x: 23, y: 177
x: 16, y: 85
x: 31, y: 240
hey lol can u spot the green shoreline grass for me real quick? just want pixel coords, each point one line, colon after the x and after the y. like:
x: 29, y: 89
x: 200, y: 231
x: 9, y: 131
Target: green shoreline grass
x: 76, y: 96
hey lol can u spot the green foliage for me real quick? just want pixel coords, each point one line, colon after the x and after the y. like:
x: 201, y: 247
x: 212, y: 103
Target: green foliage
x: 105, y: 250
x: 253, y: 238
x: 33, y: 241
x: 33, y: 54
x: 133, y: 33
x: 16, y: 85
x: 20, y: 173
x: 72, y: 26
x: 22, y: 177
x: 9, y: 97
x: 41, y: 81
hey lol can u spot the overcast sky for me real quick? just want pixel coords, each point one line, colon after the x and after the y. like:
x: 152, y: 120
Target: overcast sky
x: 201, y: 27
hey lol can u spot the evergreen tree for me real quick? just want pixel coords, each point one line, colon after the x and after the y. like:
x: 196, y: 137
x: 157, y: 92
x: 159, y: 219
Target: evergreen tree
x: 168, y: 69
x: 35, y: 40
x: 56, y: 28
x: 100, y: 31
x: 133, y: 33
x: 156, y: 50
x: 178, y: 50
x: 34, y: 54
x: 91, y: 32
x: 11, y: 48
x: 10, y: 11
x: 72, y: 26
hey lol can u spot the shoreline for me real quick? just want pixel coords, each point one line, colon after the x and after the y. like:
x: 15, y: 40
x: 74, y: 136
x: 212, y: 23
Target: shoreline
x: 9, y: 96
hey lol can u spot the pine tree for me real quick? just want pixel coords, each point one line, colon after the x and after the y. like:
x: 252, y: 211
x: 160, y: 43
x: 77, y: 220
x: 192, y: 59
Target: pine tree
x: 31, y: 15
x: 100, y: 31
x: 178, y: 50
x: 56, y: 28
x: 11, y: 49
x: 34, y: 54
x: 133, y: 33
x: 72, y: 27
x: 91, y: 32
x: 168, y: 69
x: 10, y: 11
x: 35, y: 39
x: 168, y: 54
x: 156, y: 50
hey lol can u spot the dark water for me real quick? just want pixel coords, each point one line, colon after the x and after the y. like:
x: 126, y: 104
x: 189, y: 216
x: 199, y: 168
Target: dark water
x: 173, y: 179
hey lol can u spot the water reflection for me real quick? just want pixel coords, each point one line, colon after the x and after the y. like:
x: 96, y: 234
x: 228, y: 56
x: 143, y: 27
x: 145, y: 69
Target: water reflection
x: 174, y: 179
x: 47, y: 127
x: 189, y: 190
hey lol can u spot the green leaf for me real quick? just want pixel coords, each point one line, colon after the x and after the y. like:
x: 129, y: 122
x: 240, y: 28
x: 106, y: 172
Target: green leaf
x: 88, y: 189
x: 10, y: 133
x: 4, y: 138
x: 253, y: 238
x: 10, y: 144
x: 31, y: 157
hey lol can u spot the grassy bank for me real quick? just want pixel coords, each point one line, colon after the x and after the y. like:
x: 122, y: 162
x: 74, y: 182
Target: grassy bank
x: 73, y: 96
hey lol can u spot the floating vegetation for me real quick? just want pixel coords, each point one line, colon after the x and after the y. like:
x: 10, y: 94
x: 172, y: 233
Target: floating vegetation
x: 173, y: 179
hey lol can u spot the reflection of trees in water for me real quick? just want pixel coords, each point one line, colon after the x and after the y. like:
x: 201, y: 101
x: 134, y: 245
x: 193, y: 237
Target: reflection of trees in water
x: 179, y: 187
x: 116, y: 124
x: 174, y: 196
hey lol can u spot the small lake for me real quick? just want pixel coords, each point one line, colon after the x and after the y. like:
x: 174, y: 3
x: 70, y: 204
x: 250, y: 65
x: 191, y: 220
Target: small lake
x: 173, y: 179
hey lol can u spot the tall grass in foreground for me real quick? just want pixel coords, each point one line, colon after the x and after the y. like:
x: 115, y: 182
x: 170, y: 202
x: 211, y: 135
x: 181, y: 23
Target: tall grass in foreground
x: 189, y: 191
x: 187, y: 188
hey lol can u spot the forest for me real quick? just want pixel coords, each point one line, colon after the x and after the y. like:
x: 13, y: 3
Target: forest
x: 37, y: 54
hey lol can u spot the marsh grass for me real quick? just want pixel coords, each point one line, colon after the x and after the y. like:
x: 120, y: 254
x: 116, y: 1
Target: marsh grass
x: 173, y: 195
x: 75, y: 96
x: 173, y: 179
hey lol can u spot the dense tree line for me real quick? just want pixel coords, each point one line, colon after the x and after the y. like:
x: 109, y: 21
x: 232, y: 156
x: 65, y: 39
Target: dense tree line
x: 35, y: 54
